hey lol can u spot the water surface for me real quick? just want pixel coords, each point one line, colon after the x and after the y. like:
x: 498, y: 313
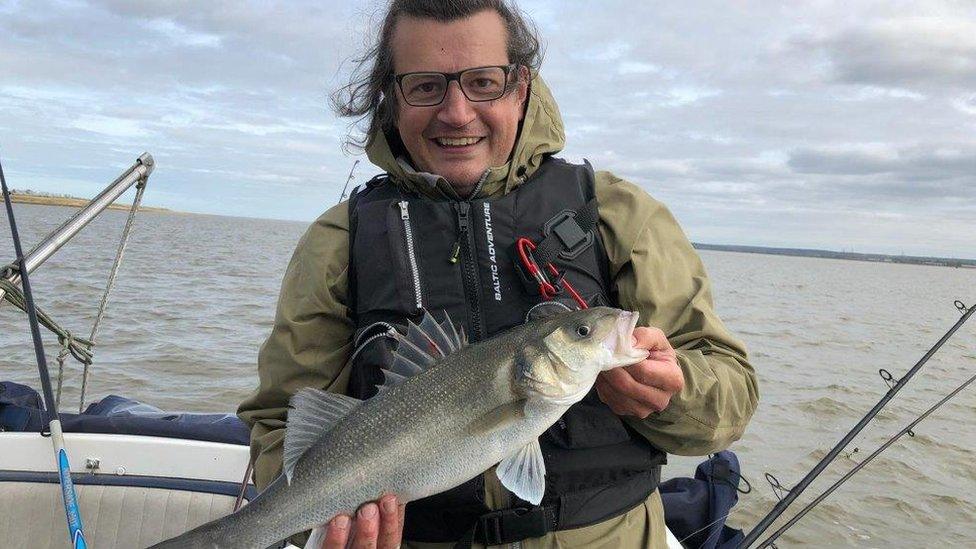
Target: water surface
x: 196, y: 297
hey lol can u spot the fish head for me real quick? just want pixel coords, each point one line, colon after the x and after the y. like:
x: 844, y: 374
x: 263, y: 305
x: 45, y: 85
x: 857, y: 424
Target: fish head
x: 561, y: 365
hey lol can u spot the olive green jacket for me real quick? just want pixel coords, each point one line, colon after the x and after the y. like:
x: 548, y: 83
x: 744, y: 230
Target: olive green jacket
x: 652, y: 264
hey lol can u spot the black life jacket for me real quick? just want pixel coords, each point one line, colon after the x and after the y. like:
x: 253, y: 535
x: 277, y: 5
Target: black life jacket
x: 409, y: 253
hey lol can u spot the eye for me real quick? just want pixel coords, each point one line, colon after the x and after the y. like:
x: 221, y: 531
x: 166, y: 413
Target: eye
x: 583, y: 330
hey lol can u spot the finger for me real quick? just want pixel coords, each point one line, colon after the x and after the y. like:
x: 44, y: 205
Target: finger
x: 390, y: 525
x: 337, y: 534
x: 367, y: 527
x: 650, y: 339
x: 619, y: 403
x: 612, y: 399
x: 662, y: 374
x: 647, y: 397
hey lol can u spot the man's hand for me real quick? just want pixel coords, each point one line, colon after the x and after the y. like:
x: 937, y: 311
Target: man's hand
x: 378, y: 525
x: 646, y: 387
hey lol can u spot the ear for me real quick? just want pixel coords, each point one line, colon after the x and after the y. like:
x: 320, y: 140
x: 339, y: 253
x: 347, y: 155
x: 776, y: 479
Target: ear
x: 523, y: 89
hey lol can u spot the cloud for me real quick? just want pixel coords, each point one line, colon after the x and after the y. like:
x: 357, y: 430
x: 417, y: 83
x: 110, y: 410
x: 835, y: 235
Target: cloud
x: 753, y: 121
x: 929, y: 162
x: 906, y: 52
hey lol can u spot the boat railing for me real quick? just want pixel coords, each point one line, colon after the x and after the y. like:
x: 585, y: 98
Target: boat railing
x: 79, y: 348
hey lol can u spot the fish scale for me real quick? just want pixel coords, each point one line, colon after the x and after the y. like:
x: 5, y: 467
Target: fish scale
x: 450, y: 423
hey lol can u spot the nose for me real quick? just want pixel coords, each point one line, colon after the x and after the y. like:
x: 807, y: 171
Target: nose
x: 456, y: 110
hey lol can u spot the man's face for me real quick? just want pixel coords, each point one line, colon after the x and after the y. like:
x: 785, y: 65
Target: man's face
x: 431, y: 134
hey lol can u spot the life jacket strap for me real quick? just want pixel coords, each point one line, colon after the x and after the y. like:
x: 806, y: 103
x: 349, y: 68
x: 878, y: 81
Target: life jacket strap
x: 511, y: 525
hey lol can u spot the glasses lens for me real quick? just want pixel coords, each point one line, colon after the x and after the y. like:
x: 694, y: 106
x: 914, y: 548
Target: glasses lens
x: 483, y: 84
x: 420, y: 89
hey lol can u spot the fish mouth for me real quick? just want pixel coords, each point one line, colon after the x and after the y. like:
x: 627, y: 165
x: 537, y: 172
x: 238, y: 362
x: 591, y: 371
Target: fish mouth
x: 619, y: 342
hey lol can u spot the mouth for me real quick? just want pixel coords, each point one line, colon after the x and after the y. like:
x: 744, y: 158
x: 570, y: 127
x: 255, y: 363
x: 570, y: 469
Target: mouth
x: 620, y: 342
x: 457, y: 144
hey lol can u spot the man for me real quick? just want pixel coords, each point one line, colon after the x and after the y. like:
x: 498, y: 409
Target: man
x: 466, y: 130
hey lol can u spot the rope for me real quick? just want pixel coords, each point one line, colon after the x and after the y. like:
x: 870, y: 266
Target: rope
x: 140, y: 188
x: 79, y: 348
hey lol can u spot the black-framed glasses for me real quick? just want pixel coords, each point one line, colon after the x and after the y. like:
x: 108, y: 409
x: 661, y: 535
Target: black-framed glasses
x: 427, y: 89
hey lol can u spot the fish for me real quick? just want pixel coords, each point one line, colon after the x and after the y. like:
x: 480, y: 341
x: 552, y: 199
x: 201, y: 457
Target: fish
x: 446, y: 413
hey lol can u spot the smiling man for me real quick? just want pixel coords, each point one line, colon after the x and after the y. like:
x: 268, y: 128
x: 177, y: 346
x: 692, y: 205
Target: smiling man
x: 465, y: 132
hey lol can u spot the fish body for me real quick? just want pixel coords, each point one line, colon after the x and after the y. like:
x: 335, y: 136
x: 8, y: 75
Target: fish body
x: 471, y: 409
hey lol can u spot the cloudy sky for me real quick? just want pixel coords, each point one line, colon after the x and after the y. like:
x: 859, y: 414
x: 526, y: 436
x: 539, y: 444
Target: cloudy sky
x: 836, y: 125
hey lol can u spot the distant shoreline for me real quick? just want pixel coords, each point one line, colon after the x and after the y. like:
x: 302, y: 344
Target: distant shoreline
x: 42, y: 200
x: 827, y: 254
x: 72, y: 202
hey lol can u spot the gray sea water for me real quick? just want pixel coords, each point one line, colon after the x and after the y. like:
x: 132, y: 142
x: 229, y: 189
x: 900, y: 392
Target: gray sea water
x: 196, y: 297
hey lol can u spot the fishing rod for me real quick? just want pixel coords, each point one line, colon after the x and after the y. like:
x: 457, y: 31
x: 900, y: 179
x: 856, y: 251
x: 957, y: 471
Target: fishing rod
x: 794, y: 492
x: 348, y: 180
x: 907, y: 430
x: 68, y: 497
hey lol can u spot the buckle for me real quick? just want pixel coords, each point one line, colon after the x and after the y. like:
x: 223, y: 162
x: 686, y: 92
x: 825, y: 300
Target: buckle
x: 511, y: 525
x: 571, y: 236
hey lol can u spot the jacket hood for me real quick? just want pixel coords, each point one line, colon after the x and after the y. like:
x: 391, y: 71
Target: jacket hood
x: 540, y: 133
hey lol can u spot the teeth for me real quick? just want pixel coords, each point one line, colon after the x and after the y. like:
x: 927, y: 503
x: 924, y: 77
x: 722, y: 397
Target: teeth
x: 457, y: 141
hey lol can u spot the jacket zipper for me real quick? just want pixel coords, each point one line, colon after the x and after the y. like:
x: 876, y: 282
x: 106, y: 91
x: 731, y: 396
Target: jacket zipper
x: 411, y: 255
x: 469, y: 268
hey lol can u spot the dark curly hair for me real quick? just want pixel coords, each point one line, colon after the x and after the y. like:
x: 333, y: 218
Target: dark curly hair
x: 370, y: 95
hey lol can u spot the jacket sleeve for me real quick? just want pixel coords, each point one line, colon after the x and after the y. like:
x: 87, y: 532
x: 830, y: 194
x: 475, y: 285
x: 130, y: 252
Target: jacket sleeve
x: 656, y: 271
x: 309, y: 342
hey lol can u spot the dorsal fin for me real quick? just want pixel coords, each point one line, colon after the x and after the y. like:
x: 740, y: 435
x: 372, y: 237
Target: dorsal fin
x: 448, y: 327
x: 436, y: 333
x: 423, y: 345
x: 417, y: 356
x: 392, y: 378
x: 313, y: 413
x: 423, y: 341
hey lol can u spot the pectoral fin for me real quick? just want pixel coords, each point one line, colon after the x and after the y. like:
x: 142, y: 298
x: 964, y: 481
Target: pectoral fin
x: 524, y: 473
x: 496, y: 419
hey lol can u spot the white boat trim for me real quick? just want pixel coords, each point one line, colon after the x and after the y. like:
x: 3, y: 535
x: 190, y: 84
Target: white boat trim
x: 123, y: 455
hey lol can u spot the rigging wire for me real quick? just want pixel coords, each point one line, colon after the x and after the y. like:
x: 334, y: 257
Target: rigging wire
x: 140, y: 189
x: 68, y: 496
x: 794, y: 492
x: 906, y: 431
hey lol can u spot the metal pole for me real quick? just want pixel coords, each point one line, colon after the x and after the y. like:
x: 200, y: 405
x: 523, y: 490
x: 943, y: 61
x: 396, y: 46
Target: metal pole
x: 54, y: 241
x: 68, y: 496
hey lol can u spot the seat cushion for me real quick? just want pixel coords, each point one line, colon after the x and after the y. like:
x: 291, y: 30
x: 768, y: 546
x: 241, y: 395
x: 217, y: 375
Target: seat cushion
x: 115, y: 517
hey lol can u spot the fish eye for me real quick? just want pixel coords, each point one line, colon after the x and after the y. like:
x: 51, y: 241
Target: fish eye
x: 582, y: 330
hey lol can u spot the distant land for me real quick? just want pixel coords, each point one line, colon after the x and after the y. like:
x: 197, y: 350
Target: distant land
x: 827, y: 254
x: 49, y: 199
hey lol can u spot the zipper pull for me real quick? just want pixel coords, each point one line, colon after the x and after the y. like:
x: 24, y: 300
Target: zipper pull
x: 462, y: 215
x: 455, y: 251
x: 404, y: 213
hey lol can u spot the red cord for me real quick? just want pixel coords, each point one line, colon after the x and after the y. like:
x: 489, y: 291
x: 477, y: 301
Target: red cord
x: 546, y: 288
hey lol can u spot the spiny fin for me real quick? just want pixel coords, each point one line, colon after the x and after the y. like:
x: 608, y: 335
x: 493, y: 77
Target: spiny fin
x: 422, y: 340
x: 524, y: 473
x: 412, y: 354
x: 452, y: 333
x: 392, y: 379
x: 436, y: 333
x: 421, y: 347
x: 313, y: 413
